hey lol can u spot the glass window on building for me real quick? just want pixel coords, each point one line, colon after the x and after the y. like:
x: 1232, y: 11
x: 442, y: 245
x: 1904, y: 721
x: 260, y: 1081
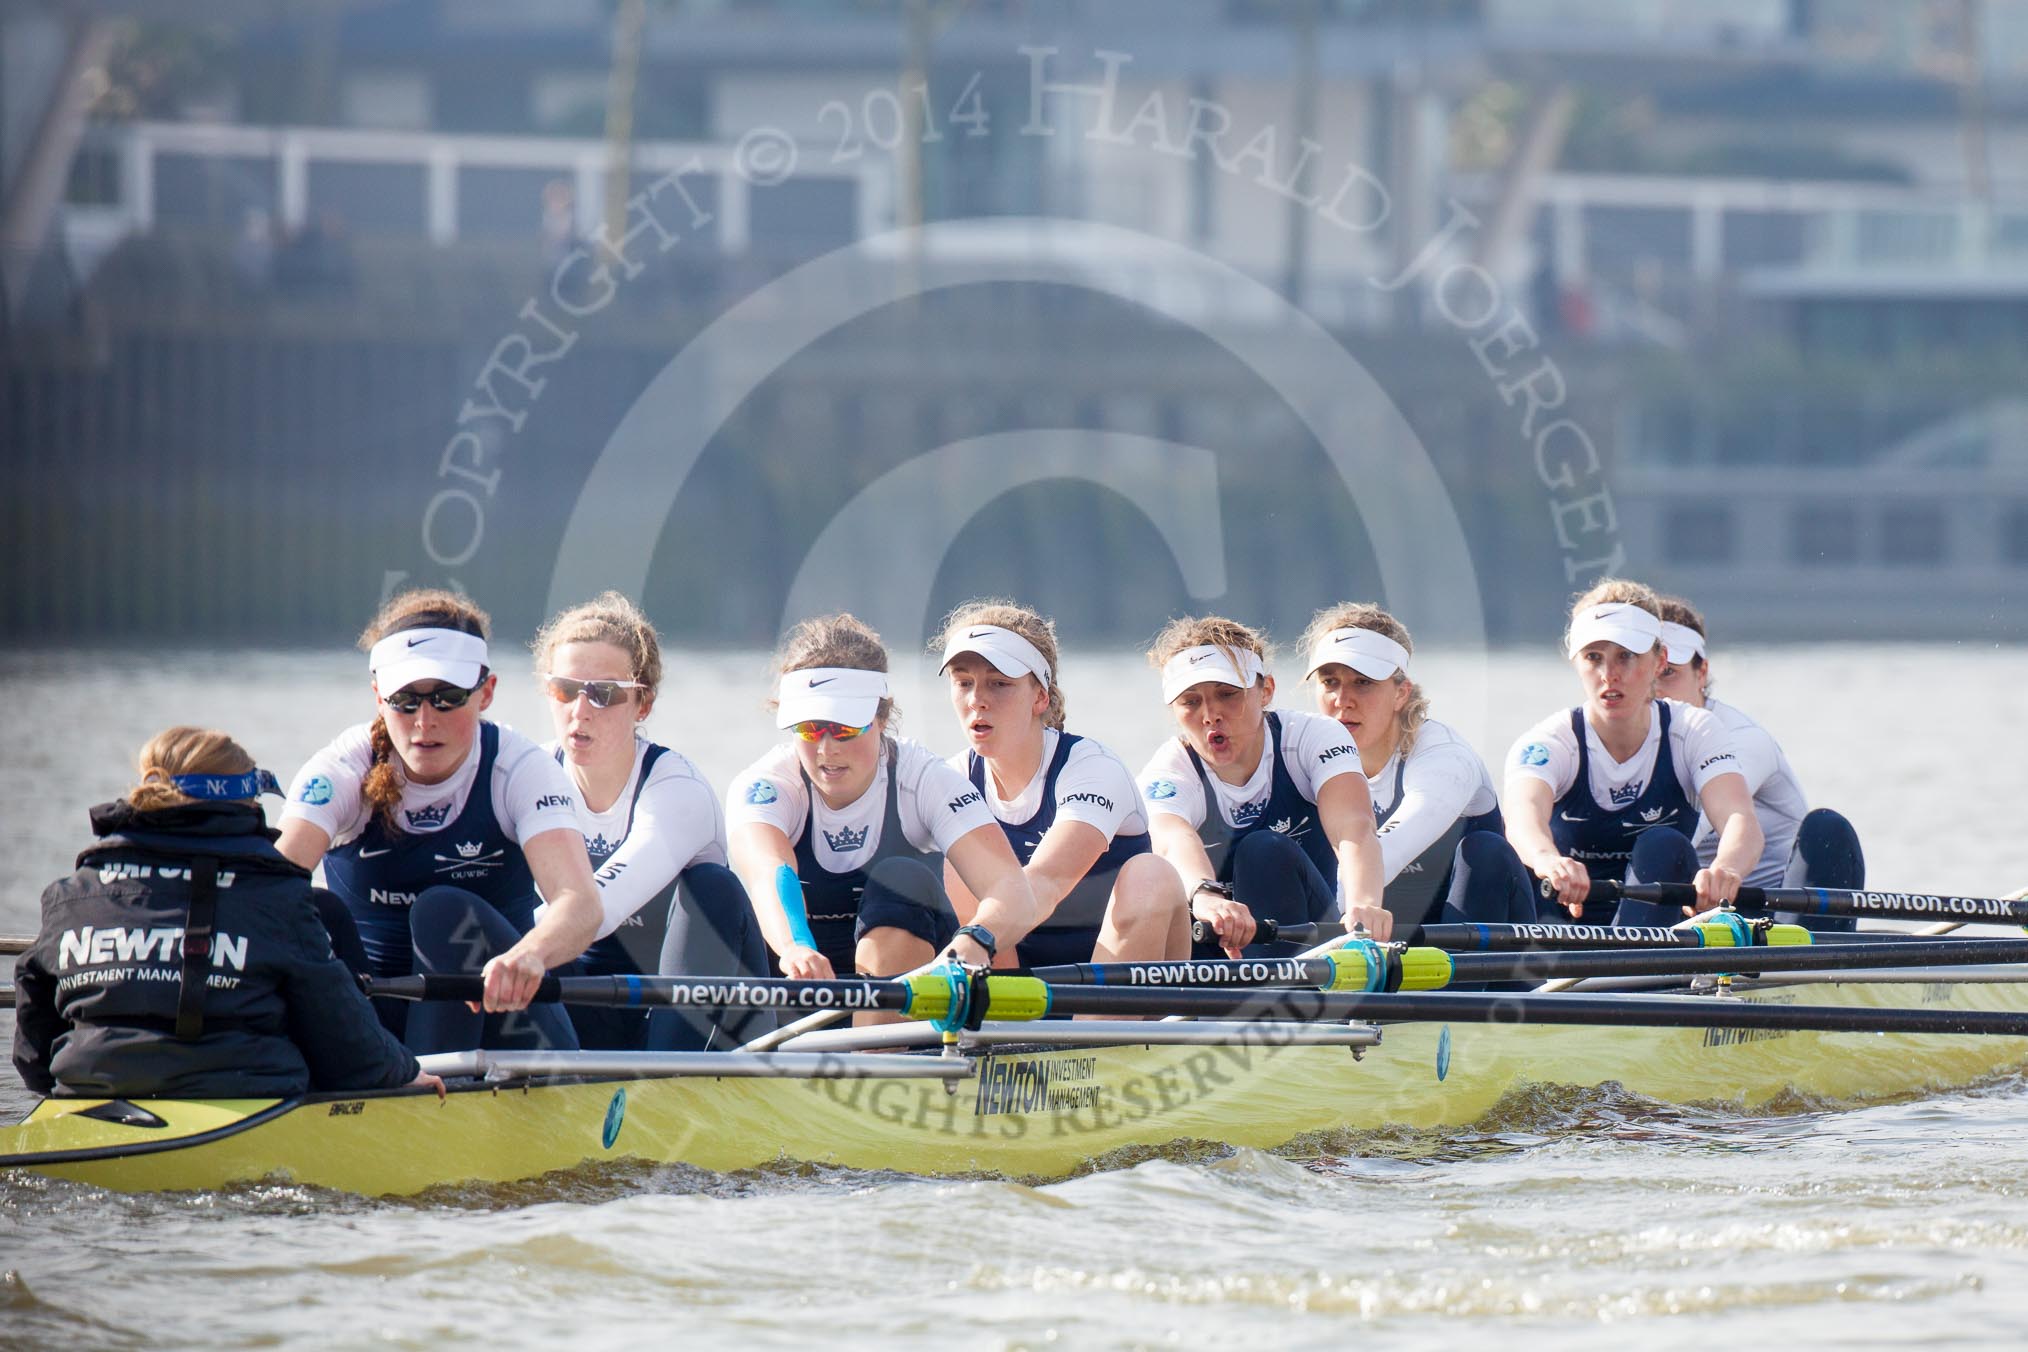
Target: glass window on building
x: 1699, y: 533
x: 2014, y: 535
x: 1912, y: 534
x: 212, y: 191
x: 94, y: 178
x: 1824, y: 535
x: 568, y: 102
x: 803, y: 217
x: 394, y: 100
x: 385, y: 198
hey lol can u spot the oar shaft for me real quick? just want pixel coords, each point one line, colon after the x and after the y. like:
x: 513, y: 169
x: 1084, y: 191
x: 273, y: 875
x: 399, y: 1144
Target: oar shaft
x: 1479, y: 938
x: 1521, y: 938
x: 1837, y: 901
x: 1433, y: 969
x: 1192, y: 972
x: 1711, y: 961
x: 1443, y: 1006
x: 681, y: 991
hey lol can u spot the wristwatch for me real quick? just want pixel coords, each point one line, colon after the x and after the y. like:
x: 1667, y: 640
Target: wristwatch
x: 1216, y: 888
x: 981, y: 936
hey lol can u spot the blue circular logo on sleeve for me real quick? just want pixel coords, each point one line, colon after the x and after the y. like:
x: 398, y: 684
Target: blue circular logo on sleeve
x: 316, y: 791
x: 1159, y: 789
x: 760, y: 792
x: 1535, y: 754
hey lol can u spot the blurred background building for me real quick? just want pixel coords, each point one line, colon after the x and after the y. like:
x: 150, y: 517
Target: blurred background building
x: 1775, y: 250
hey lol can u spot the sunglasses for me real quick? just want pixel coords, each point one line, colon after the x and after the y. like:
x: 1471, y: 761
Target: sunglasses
x: 443, y: 699
x: 816, y: 729
x: 602, y: 694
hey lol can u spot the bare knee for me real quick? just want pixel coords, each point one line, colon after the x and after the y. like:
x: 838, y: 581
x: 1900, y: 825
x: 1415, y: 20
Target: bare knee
x: 887, y: 950
x: 1148, y: 888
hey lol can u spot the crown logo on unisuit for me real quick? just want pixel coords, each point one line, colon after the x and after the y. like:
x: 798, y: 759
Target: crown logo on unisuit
x: 846, y: 840
x: 469, y: 849
x: 428, y: 818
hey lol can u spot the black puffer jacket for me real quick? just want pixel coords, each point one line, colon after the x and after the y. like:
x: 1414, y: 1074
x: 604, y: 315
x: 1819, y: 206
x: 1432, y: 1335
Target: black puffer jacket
x: 96, y: 996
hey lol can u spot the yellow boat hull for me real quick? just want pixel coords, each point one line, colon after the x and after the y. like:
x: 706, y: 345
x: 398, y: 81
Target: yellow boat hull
x: 1026, y: 1113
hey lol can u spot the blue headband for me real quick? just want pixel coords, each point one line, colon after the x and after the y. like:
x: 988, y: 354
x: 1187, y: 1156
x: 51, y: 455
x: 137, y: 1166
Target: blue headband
x: 226, y: 788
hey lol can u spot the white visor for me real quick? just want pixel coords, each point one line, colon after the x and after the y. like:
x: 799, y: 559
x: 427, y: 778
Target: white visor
x: 410, y: 655
x: 1681, y: 642
x: 1619, y: 622
x: 1010, y: 654
x: 1373, y: 655
x: 831, y: 695
x: 1209, y: 663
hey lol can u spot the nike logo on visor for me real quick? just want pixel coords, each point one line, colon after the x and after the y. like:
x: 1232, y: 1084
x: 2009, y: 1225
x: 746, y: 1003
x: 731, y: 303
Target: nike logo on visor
x: 826, y: 681
x: 426, y: 638
x: 1202, y: 657
x: 979, y: 633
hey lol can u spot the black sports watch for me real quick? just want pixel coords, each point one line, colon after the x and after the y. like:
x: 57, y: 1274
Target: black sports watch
x: 981, y: 936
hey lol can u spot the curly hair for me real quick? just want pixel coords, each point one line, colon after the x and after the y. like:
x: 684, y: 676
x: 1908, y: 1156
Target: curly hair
x: 1365, y: 615
x: 611, y: 618
x: 1197, y: 631
x: 840, y: 640
x: 1011, y: 615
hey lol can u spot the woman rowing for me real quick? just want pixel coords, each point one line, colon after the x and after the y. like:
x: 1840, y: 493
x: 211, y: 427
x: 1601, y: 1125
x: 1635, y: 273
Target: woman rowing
x: 865, y: 821
x: 1803, y: 846
x: 436, y: 827
x: 1612, y: 789
x: 186, y: 957
x: 653, y: 828
x: 1443, y: 851
x: 1067, y: 805
x: 1264, y: 815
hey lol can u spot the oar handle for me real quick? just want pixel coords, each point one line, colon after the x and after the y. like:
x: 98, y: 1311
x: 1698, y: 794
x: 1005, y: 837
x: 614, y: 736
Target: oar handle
x: 1269, y: 931
x: 447, y: 986
x: 1603, y: 890
x: 1264, y: 932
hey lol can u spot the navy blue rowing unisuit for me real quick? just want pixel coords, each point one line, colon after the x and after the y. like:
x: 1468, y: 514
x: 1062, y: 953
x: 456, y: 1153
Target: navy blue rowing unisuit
x: 379, y: 872
x: 835, y: 902
x: 1426, y: 880
x: 1602, y: 838
x: 1074, y: 924
x: 636, y: 946
x: 1287, y: 812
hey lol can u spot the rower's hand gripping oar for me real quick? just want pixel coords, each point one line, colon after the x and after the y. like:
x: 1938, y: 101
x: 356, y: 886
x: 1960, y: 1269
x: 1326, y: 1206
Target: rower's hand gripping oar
x: 1267, y: 931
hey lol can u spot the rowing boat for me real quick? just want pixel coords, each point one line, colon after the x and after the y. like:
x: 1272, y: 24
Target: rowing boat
x: 1021, y: 1100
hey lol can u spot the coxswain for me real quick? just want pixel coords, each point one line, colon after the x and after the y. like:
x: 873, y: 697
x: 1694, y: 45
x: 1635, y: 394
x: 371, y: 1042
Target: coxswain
x: 654, y: 829
x: 436, y: 827
x: 1264, y: 815
x: 1612, y: 789
x: 865, y: 820
x: 1803, y: 846
x: 186, y: 957
x: 1443, y: 848
x: 1068, y: 806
